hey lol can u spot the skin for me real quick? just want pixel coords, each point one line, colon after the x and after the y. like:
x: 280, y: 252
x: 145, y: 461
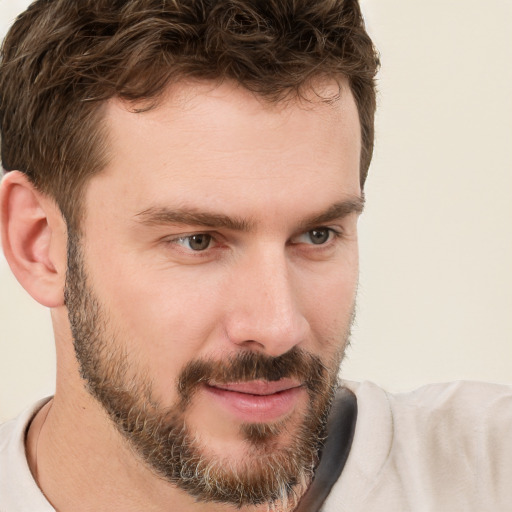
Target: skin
x: 266, y: 288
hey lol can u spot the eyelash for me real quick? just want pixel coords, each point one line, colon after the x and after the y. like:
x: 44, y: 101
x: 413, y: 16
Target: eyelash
x: 181, y: 238
x: 334, y: 234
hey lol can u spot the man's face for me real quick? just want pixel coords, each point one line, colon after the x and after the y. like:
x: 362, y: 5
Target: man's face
x: 212, y: 290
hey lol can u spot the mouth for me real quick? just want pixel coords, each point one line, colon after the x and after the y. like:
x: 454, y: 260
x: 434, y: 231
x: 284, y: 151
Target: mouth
x: 257, y: 401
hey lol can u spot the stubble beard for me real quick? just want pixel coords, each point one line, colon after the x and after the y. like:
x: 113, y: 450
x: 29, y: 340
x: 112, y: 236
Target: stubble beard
x: 270, y: 472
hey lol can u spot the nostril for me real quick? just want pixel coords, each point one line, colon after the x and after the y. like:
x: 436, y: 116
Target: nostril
x: 251, y: 344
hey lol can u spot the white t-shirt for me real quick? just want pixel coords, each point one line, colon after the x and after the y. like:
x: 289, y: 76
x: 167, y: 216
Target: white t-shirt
x: 18, y: 489
x: 442, y: 448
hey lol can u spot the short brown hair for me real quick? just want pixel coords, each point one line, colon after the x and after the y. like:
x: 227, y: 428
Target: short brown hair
x: 62, y: 59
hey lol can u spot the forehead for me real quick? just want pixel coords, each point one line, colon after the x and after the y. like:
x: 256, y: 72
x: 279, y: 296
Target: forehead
x: 210, y: 108
x: 223, y: 144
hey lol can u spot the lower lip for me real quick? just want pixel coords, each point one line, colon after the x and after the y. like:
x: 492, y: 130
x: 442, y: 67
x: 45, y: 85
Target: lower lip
x: 257, y: 408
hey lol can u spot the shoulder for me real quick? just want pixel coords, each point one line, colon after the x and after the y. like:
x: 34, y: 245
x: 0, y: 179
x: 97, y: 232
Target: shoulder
x: 464, y: 423
x: 466, y: 407
x: 439, y: 447
x: 18, y: 490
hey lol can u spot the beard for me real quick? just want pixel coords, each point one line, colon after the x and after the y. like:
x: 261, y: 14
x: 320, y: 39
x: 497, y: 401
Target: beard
x: 271, y: 471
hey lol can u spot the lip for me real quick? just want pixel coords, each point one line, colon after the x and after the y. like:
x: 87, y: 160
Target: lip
x: 257, y: 401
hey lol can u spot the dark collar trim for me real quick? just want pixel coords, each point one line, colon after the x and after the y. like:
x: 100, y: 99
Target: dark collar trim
x: 340, y: 433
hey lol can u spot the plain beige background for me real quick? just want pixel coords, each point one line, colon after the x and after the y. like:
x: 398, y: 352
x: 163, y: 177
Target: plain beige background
x: 435, y: 299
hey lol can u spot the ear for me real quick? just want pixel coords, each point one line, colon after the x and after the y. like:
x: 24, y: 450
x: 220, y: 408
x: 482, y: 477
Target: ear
x: 34, y: 238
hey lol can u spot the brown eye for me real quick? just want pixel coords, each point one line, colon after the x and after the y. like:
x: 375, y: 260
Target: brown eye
x: 199, y: 242
x: 319, y: 236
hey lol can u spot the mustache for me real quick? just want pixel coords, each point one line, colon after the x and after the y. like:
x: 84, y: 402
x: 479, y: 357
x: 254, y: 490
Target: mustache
x: 246, y: 366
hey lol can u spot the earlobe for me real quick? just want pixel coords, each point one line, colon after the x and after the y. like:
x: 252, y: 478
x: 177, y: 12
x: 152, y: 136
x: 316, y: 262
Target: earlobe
x: 33, y: 239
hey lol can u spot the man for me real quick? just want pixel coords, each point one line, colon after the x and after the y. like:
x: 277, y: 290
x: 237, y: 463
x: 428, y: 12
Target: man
x: 183, y: 183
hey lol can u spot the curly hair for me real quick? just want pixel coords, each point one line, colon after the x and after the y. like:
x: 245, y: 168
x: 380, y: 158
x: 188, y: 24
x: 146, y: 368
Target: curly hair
x: 62, y: 59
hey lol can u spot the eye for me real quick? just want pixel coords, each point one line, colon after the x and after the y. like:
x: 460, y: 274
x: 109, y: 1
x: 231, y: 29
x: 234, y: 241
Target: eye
x: 197, y: 243
x: 317, y: 236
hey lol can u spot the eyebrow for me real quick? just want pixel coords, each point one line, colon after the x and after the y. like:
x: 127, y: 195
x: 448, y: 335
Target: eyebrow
x: 337, y: 211
x: 190, y: 216
x: 155, y: 216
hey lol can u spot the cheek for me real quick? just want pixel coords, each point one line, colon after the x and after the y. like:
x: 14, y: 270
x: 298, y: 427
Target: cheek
x: 161, y: 318
x: 329, y: 305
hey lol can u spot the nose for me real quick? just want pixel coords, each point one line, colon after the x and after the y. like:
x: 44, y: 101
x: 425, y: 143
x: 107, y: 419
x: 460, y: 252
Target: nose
x: 264, y: 313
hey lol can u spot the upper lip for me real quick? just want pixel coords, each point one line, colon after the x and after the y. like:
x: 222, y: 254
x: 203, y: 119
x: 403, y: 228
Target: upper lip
x: 258, y: 387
